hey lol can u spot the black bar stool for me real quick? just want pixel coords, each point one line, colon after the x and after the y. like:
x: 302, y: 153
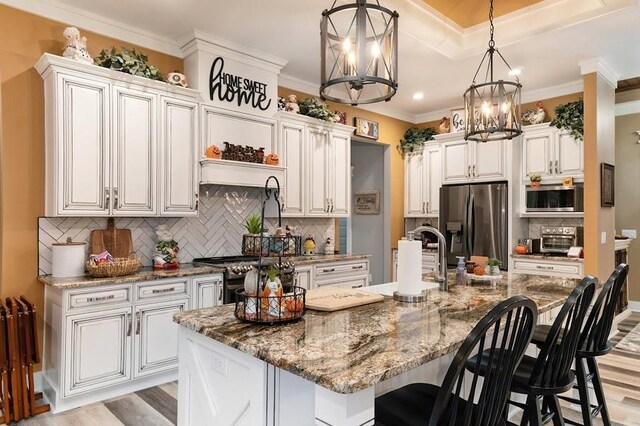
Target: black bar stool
x: 594, y: 342
x: 511, y: 324
x: 548, y: 375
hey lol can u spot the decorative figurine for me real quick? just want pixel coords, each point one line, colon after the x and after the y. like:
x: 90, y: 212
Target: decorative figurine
x: 213, y: 152
x: 309, y: 247
x: 292, y: 105
x: 272, y: 159
x: 166, y: 250
x: 76, y: 47
x: 328, y: 246
x: 534, y: 117
x: 445, y: 125
x: 341, y: 117
x: 177, y: 79
x: 282, y: 103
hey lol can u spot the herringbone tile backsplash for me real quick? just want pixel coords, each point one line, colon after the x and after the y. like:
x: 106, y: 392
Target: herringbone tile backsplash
x: 216, y: 231
x: 536, y: 223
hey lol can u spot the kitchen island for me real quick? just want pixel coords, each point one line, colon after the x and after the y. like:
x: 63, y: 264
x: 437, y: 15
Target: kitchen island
x: 328, y: 367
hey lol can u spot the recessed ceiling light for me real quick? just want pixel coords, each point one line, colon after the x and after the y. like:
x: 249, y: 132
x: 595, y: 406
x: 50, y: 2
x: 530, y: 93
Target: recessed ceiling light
x: 418, y: 95
x: 515, y: 71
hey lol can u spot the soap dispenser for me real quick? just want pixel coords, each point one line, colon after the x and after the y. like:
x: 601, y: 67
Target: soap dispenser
x: 461, y: 272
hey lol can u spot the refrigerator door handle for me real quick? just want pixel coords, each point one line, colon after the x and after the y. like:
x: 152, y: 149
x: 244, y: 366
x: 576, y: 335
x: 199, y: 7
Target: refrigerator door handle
x: 469, y: 225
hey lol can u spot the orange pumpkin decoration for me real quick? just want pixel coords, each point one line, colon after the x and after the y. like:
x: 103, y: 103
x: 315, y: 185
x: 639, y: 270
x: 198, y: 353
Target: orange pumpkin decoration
x: 272, y: 159
x: 522, y: 249
x: 213, y: 152
x: 478, y: 270
x: 295, y: 305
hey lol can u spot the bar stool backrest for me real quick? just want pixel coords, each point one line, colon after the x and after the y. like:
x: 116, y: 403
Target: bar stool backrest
x: 511, y: 323
x: 595, y: 335
x: 556, y: 356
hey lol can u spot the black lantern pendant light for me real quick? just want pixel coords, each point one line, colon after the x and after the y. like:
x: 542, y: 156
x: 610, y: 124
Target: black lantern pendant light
x: 359, y: 53
x: 492, y: 108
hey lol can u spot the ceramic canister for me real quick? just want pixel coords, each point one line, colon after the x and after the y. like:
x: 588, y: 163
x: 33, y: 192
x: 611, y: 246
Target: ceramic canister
x: 67, y: 259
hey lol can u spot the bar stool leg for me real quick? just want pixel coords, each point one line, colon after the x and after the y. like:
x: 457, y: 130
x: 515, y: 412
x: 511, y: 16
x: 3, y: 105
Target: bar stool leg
x: 532, y: 414
x: 554, y: 405
x: 583, y: 391
x: 597, y: 388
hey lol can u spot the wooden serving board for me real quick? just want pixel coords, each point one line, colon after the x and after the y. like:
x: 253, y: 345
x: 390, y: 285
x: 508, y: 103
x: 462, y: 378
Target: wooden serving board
x: 331, y: 299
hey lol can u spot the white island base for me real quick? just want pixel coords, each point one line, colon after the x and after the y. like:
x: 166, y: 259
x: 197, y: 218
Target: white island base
x: 220, y: 385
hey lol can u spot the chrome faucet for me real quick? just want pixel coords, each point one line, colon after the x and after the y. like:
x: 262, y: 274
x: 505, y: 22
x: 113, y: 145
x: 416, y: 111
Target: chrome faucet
x: 442, y: 248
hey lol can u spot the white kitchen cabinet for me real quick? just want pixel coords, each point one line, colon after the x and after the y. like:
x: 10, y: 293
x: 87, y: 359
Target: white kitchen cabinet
x: 471, y: 161
x: 178, y: 157
x: 548, y: 267
x: 292, y: 153
x: 156, y: 337
x: 340, y: 177
x: 303, y: 277
x: 352, y: 274
x: 551, y: 153
x: 133, y: 183
x: 99, y: 350
x: 104, y: 155
x: 207, y: 292
x: 429, y: 262
x: 423, y: 179
x: 355, y: 281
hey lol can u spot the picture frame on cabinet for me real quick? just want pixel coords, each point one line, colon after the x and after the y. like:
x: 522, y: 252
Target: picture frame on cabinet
x: 457, y: 120
x: 366, y: 128
x: 367, y: 202
x: 607, y: 185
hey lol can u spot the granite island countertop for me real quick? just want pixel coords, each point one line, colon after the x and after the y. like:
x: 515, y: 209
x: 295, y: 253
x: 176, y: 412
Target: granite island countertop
x: 144, y: 274
x: 350, y: 350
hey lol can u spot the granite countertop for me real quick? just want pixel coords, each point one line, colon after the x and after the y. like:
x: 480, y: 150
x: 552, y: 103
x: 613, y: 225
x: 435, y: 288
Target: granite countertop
x: 350, y: 350
x: 324, y: 258
x: 550, y: 257
x: 144, y: 274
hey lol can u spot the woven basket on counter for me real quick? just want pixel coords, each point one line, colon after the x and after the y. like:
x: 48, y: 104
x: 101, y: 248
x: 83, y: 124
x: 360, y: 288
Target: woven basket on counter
x: 119, y: 267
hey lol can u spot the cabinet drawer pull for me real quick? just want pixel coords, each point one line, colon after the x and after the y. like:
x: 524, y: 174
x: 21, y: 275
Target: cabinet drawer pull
x: 423, y: 208
x: 474, y: 170
x: 546, y: 268
x: 137, y: 323
x: 557, y: 167
x: 550, y: 167
x: 329, y: 270
x: 197, y: 201
x: 101, y: 298
x: 163, y: 290
x: 115, y: 198
x: 130, y: 321
x: 468, y: 171
x: 357, y: 267
x: 332, y: 205
x: 107, y: 198
x: 356, y: 286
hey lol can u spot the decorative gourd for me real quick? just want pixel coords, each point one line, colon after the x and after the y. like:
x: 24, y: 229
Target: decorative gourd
x: 478, y: 270
x: 522, y: 249
x: 272, y: 159
x: 213, y: 152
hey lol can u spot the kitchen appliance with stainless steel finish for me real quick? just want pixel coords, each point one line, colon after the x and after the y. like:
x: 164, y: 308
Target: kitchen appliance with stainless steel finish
x: 473, y: 219
x: 236, y: 267
x: 559, y: 239
x: 555, y: 198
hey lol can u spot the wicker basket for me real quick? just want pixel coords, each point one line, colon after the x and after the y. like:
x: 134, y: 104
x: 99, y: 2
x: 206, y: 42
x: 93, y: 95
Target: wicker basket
x: 119, y: 267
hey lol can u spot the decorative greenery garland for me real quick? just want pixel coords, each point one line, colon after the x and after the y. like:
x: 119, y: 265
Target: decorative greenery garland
x: 314, y: 107
x: 129, y: 61
x: 414, y: 139
x: 570, y: 117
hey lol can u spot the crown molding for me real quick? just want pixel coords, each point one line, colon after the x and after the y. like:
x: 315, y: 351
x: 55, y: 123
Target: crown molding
x: 434, y: 115
x: 57, y: 11
x: 627, y: 108
x: 601, y: 67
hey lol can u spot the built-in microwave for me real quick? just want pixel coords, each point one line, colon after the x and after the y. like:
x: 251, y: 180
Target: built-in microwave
x: 555, y: 198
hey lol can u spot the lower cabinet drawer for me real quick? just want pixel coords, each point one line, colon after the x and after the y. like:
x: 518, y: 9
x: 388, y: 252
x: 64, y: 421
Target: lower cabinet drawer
x: 162, y: 289
x: 348, y: 282
x: 98, y: 297
x: 328, y: 271
x: 541, y: 268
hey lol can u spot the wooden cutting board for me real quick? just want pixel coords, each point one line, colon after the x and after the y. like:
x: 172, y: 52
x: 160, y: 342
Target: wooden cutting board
x: 331, y: 299
x: 118, y: 242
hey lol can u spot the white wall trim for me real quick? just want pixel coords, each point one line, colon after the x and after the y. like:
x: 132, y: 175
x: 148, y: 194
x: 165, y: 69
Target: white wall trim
x: 634, y: 305
x: 57, y: 11
x: 626, y: 108
x: 600, y: 66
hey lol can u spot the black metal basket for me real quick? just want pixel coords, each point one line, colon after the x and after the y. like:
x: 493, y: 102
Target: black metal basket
x: 270, y: 246
x: 271, y: 309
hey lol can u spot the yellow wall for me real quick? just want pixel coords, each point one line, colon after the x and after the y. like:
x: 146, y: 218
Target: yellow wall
x: 391, y: 131
x: 25, y: 38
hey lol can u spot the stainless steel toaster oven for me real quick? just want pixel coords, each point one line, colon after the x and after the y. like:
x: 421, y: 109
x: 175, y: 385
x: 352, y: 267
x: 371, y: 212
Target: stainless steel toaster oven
x: 559, y: 239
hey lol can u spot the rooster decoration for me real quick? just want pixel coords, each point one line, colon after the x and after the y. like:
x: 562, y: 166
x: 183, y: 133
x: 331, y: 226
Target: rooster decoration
x: 534, y: 117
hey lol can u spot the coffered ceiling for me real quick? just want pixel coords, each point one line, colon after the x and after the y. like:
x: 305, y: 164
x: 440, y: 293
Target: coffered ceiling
x: 468, y: 13
x: 438, y: 52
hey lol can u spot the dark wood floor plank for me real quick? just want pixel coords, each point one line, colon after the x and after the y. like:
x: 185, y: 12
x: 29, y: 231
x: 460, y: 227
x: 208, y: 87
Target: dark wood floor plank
x: 133, y: 411
x: 162, y: 402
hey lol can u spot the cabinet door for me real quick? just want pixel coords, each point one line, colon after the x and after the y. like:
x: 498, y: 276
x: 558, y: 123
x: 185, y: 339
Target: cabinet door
x: 98, y: 350
x: 317, y: 169
x: 178, y: 158
x: 303, y: 278
x: 292, y: 153
x: 81, y: 158
x: 156, y: 342
x: 433, y: 172
x: 134, y: 160
x: 207, y: 292
x: 340, y: 176
x: 537, y: 154
x: 569, y: 156
x: 489, y: 161
x: 414, y: 185
x: 456, y: 162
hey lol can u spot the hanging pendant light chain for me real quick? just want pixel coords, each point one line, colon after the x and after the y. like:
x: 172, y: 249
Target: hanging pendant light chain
x: 491, y: 28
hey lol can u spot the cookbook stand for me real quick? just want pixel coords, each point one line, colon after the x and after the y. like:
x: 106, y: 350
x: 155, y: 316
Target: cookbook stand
x: 268, y: 308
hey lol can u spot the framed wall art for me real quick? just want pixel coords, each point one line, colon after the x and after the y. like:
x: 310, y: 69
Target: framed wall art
x: 367, y: 202
x: 607, y: 185
x: 457, y: 120
x: 366, y: 128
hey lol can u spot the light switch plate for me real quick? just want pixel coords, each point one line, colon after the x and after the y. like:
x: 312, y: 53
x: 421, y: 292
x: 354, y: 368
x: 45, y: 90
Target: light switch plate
x: 603, y: 238
x: 630, y: 233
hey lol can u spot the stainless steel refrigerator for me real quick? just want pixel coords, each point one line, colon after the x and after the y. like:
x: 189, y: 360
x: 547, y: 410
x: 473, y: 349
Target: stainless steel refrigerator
x: 473, y: 219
